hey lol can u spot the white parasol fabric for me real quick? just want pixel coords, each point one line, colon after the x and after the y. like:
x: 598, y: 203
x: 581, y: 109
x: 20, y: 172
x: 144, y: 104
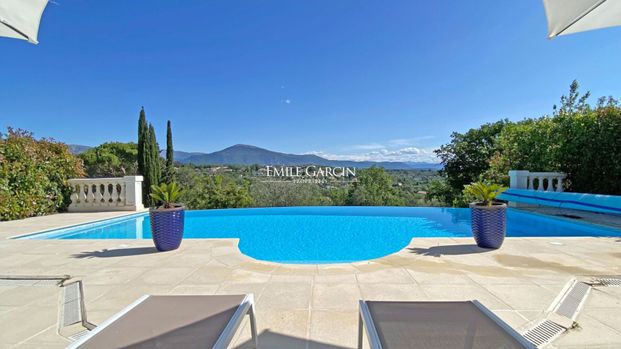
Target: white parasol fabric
x: 572, y: 16
x: 19, y: 19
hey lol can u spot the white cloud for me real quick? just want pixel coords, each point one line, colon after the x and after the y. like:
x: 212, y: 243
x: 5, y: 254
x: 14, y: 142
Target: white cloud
x: 407, y: 154
x: 409, y: 141
x: 396, y: 150
x: 369, y: 146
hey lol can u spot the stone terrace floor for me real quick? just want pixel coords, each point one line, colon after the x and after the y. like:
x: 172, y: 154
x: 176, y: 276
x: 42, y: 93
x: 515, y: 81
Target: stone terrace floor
x: 305, y: 306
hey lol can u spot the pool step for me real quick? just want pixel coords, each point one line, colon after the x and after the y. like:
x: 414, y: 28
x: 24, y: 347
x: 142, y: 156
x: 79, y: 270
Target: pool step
x: 561, y: 315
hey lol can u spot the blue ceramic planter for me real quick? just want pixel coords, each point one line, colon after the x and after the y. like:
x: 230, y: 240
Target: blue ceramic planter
x: 489, y: 224
x: 167, y: 227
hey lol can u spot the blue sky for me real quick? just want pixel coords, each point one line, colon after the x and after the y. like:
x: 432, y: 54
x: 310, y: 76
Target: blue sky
x: 379, y: 80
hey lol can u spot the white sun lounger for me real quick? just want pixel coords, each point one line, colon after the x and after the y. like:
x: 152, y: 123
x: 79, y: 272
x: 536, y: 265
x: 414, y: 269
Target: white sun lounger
x: 174, y: 322
x: 435, y: 325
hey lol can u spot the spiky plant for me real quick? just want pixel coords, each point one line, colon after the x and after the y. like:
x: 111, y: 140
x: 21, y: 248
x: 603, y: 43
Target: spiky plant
x: 484, y: 192
x: 166, y: 194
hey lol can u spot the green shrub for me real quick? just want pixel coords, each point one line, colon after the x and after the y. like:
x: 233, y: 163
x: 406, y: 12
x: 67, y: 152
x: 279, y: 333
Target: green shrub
x: 213, y: 191
x: 483, y: 192
x: 374, y: 187
x: 580, y: 140
x: 34, y: 174
x: 114, y: 159
x: 166, y: 194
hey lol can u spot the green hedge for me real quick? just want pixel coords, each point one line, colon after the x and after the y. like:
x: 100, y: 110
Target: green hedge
x: 581, y: 140
x: 34, y: 174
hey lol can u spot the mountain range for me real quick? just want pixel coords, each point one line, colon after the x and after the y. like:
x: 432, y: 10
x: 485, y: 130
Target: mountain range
x: 242, y: 154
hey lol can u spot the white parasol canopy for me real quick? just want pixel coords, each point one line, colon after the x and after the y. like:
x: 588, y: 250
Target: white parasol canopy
x: 572, y: 16
x: 20, y: 19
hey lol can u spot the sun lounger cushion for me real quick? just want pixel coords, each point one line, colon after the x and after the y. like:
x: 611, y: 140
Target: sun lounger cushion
x: 402, y: 325
x: 169, y: 322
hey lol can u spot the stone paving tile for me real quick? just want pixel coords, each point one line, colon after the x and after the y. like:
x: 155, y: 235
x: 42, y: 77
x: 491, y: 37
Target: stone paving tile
x: 394, y: 275
x: 195, y: 289
x: 508, y: 277
x: 304, y: 278
x: 334, y: 327
x: 335, y: 297
x: 48, y: 336
x: 5, y: 288
x: 532, y: 315
x: 453, y: 278
x: 277, y: 329
x: 6, y: 309
x: 336, y: 269
x: 609, y: 317
x: 121, y: 296
x: 94, y: 292
x: 392, y: 292
x: 213, y: 273
x: 162, y: 276
x: 240, y: 275
x: 523, y: 297
x: 18, y: 260
x: 114, y: 276
x: 512, y: 318
x: 26, y: 322
x: 242, y: 288
x: 590, y: 334
x: 368, y: 266
x: 293, y: 269
x: 258, y: 266
x: 97, y: 316
x: 18, y: 296
x: 464, y: 293
x: 283, y: 296
x: 336, y: 279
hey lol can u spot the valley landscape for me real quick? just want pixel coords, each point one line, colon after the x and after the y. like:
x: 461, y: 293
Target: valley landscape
x: 242, y: 154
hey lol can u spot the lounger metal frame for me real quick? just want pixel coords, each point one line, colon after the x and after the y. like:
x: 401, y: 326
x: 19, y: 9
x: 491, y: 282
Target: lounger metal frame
x: 246, y: 307
x: 366, y: 325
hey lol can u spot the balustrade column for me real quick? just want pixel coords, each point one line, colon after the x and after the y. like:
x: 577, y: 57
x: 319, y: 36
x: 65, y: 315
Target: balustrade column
x: 540, y: 183
x: 559, y: 184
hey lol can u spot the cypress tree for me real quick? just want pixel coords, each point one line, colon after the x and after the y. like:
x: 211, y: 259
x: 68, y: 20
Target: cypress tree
x: 153, y: 168
x: 170, y: 169
x: 142, y: 154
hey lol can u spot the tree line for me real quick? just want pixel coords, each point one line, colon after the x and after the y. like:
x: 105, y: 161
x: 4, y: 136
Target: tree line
x: 579, y: 139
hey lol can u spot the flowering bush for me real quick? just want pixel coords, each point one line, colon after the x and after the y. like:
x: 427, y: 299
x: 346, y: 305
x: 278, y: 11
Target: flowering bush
x: 34, y: 174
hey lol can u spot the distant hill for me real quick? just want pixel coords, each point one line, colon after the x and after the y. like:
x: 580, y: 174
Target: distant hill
x: 242, y: 154
x: 78, y: 149
x: 182, y: 155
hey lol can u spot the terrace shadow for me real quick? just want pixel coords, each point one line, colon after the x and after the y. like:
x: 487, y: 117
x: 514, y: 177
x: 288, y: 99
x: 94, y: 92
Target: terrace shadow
x: 448, y: 250
x: 119, y: 252
x: 274, y: 340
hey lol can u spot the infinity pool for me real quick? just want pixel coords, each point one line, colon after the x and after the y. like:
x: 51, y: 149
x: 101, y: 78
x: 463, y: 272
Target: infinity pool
x: 327, y: 234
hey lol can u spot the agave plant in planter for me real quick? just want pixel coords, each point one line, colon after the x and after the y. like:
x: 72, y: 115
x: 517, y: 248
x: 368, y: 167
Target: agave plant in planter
x: 489, y: 218
x: 166, y: 219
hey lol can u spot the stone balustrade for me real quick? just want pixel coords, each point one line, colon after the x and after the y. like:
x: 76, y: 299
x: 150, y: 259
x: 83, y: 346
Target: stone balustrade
x: 106, y: 194
x: 538, y: 181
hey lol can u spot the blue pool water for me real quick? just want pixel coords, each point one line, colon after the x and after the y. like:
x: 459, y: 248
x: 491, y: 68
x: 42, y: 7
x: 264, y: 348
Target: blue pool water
x: 327, y: 234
